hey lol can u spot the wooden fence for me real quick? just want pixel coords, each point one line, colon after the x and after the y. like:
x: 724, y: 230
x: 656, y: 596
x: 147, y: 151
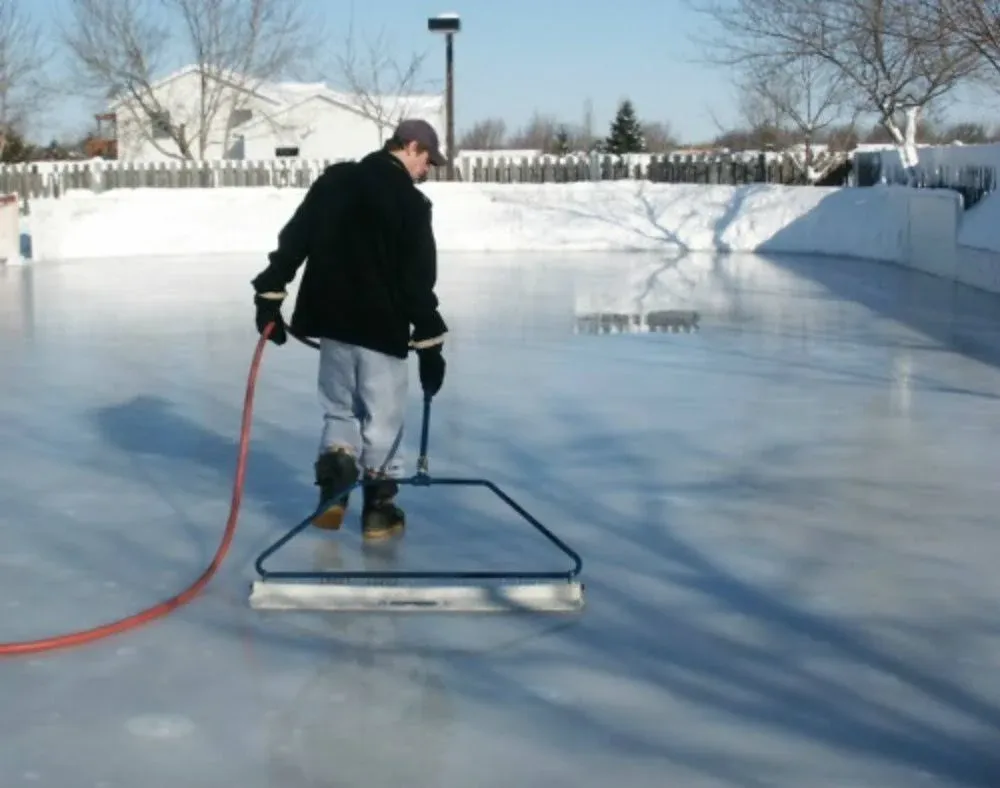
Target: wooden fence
x: 35, y: 180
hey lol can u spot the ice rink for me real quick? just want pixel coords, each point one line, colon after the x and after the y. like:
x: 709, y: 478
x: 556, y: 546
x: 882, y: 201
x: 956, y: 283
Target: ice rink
x: 788, y: 522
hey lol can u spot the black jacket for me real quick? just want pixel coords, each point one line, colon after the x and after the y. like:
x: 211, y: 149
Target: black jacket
x: 364, y: 231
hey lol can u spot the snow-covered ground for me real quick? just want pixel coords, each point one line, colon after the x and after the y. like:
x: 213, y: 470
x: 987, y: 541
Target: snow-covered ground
x: 981, y: 225
x: 619, y: 215
x: 918, y: 228
x: 787, y: 522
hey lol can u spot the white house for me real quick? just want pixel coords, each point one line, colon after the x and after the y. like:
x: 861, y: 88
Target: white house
x: 264, y: 120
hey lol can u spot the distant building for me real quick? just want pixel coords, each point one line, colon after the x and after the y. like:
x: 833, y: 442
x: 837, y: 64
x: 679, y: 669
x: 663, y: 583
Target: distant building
x: 263, y: 120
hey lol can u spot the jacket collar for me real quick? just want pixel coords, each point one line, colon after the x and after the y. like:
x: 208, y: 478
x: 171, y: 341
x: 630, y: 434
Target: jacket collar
x: 382, y: 156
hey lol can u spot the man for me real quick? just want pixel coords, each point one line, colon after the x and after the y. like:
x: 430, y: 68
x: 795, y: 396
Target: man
x: 367, y: 293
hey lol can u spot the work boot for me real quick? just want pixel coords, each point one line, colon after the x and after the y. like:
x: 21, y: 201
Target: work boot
x: 336, y: 471
x: 380, y: 517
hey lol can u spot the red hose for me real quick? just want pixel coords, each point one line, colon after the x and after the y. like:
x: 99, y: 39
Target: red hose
x: 82, y: 637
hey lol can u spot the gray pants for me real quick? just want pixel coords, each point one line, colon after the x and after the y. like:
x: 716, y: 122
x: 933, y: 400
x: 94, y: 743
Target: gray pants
x: 363, y: 395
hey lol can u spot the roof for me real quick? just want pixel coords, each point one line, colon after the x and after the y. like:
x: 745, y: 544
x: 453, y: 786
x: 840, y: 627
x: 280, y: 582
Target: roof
x: 418, y: 105
x: 285, y: 94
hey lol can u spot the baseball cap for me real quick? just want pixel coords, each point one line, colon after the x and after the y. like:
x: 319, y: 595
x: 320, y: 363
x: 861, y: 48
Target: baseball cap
x: 420, y: 131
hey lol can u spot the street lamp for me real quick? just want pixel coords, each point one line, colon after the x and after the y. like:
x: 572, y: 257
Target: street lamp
x: 448, y: 24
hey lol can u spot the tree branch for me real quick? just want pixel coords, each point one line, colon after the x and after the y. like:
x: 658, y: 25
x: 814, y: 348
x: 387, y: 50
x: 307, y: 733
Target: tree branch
x: 23, y: 57
x: 382, y: 86
x: 895, y: 59
x: 235, y: 46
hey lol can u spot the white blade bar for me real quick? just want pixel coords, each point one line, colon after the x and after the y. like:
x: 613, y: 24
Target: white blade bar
x: 554, y: 597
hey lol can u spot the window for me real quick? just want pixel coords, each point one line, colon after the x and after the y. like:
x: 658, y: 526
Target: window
x: 239, y: 116
x: 161, y: 125
x: 280, y: 153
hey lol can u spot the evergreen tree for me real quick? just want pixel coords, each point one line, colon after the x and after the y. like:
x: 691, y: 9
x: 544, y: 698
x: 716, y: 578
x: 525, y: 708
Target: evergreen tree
x: 561, y: 143
x: 626, y: 132
x: 14, y: 148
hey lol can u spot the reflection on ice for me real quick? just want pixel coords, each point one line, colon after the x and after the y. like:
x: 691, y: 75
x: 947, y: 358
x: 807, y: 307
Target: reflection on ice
x: 662, y: 320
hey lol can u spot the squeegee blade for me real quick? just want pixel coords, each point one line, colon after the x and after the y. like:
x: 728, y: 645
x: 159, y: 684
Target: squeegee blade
x: 551, y: 597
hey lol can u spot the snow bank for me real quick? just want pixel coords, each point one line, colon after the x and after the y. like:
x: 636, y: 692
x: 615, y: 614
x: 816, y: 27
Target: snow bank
x: 608, y: 216
x: 917, y: 228
x: 981, y: 225
x: 977, y: 251
x: 633, y: 216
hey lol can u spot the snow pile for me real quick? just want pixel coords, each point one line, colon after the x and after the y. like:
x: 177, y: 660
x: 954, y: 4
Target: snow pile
x: 603, y: 216
x: 981, y: 225
x: 977, y: 254
x: 631, y: 216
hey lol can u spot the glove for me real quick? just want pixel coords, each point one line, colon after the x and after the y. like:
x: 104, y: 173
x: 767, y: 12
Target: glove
x: 269, y: 311
x: 431, y: 365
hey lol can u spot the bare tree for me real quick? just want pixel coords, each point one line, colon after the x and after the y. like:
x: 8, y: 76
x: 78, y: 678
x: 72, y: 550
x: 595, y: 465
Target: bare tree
x: 967, y: 133
x: 976, y: 22
x: 804, y: 97
x: 754, y: 108
x: 659, y: 137
x: 757, y: 125
x: 385, y: 88
x: 488, y: 134
x: 22, y: 80
x: 897, y: 59
x: 585, y: 136
x: 235, y: 46
x: 540, y: 133
x: 841, y: 137
x: 753, y: 131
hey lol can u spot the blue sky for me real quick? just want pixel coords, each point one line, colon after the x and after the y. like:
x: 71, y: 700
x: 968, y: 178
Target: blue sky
x: 517, y: 57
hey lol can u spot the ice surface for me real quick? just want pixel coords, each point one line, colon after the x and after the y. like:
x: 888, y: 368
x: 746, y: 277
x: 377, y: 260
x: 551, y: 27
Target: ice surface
x: 788, y: 523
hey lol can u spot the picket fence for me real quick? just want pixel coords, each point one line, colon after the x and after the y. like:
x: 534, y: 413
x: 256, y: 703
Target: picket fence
x: 34, y: 180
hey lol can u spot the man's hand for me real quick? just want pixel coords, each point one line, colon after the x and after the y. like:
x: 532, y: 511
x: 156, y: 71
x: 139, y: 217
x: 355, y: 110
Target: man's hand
x: 269, y: 311
x: 432, y: 368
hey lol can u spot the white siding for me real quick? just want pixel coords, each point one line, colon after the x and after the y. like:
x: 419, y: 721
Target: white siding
x: 284, y: 116
x: 181, y: 96
x: 321, y: 129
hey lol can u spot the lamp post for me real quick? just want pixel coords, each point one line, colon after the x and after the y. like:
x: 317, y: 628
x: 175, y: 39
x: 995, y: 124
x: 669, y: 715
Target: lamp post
x: 448, y: 24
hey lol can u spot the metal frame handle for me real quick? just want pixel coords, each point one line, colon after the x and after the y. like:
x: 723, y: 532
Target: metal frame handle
x: 423, y: 466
